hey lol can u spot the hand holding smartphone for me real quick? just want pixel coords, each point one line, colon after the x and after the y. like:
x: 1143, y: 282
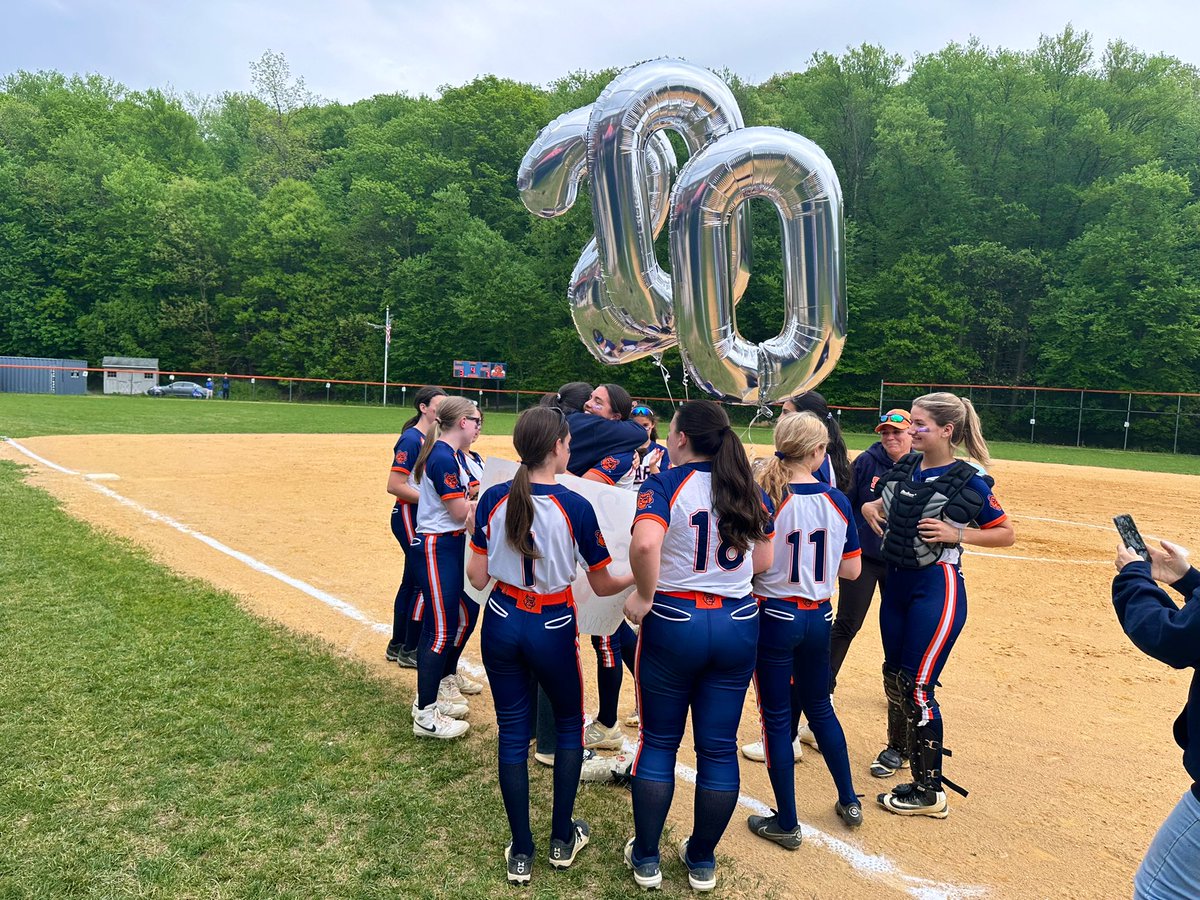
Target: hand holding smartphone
x: 1130, y: 535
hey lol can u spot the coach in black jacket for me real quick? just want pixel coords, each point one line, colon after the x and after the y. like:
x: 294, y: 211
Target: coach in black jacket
x: 1159, y: 628
x: 854, y: 597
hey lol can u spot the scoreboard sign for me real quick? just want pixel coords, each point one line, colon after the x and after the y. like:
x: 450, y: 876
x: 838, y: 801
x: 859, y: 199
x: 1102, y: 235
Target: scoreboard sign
x: 464, y: 368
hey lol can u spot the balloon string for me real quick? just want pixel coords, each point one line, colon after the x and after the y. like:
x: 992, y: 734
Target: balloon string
x: 686, y: 395
x: 764, y: 412
x: 666, y: 377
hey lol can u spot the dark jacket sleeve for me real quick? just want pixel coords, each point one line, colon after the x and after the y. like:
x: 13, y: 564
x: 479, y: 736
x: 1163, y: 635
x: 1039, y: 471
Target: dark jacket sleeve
x: 592, y: 438
x: 1153, y: 622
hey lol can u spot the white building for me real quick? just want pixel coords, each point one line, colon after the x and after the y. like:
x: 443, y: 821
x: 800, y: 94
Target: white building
x: 129, y: 375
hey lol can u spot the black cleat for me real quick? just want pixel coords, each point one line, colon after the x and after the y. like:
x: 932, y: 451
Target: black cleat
x: 563, y: 854
x: 850, y: 813
x: 768, y: 827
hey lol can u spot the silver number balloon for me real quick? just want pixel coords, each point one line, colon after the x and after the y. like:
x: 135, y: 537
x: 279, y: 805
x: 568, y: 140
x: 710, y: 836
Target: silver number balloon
x: 622, y: 302
x: 621, y: 299
x: 548, y: 181
x: 797, y: 177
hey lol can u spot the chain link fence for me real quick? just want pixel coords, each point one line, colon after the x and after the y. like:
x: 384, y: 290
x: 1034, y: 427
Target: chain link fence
x: 1121, y: 420
x: 1130, y: 420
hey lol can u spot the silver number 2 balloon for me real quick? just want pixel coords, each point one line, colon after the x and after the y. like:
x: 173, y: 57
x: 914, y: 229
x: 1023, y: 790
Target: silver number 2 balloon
x: 623, y: 304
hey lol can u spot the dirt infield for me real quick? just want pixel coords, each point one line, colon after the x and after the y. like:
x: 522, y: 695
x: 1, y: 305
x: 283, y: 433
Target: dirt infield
x: 1060, y: 728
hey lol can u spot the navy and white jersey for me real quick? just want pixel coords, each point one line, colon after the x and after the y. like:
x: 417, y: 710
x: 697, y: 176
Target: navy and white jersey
x: 404, y: 454
x: 814, y: 532
x: 445, y: 478
x: 642, y: 471
x: 694, y: 558
x: 473, y: 463
x: 565, y: 532
x: 824, y: 472
x: 991, y: 515
x: 616, y: 468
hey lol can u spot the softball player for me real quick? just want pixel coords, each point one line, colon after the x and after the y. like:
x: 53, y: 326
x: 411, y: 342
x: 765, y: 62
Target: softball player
x: 611, y: 401
x: 592, y: 436
x: 529, y: 535
x: 930, y: 505
x: 655, y: 459
x: 457, y: 685
x: 700, y: 532
x: 834, y: 470
x: 815, y: 540
x: 402, y: 648
x: 443, y: 517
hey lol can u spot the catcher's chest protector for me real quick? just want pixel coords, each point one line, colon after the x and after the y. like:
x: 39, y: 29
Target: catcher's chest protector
x: 906, y: 502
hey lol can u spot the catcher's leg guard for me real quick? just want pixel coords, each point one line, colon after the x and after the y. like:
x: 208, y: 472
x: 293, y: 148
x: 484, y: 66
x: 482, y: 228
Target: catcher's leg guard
x: 896, y: 755
x: 923, y: 796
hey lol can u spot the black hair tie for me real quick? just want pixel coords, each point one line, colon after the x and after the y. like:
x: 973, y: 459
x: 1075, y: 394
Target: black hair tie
x: 779, y: 454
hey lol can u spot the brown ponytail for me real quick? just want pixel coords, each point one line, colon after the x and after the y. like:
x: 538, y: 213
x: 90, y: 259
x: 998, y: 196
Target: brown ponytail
x: 737, y: 504
x: 536, y: 432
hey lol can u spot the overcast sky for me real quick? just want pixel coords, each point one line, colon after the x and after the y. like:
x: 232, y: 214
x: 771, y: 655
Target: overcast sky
x: 349, y: 49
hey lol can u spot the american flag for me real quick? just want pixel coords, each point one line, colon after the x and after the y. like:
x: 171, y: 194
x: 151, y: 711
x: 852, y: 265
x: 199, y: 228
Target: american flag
x: 387, y: 333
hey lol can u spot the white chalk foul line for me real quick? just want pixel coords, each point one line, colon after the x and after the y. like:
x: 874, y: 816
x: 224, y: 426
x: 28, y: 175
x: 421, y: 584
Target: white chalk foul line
x: 1047, y: 559
x: 45, y: 462
x: 869, y: 864
x: 872, y: 865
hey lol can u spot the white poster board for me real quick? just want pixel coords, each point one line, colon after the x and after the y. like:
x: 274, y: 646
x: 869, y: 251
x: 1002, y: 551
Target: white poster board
x: 614, y: 511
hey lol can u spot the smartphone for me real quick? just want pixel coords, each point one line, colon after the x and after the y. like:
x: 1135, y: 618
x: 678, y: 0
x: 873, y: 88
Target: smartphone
x: 1130, y: 535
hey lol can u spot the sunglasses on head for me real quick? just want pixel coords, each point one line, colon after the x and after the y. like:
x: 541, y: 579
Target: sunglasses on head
x: 893, y: 417
x: 642, y: 411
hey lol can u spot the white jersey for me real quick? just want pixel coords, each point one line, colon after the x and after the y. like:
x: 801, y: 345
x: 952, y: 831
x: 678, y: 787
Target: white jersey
x: 814, y: 532
x: 445, y: 478
x: 694, y: 558
x: 565, y: 532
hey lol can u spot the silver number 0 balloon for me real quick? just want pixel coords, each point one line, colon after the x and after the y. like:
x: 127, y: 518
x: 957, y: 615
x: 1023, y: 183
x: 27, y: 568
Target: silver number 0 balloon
x: 623, y: 304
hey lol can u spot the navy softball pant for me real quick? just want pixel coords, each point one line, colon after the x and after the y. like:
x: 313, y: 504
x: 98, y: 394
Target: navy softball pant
x: 697, y: 658
x: 409, y: 591
x: 794, y: 642
x: 522, y: 650
x: 920, y: 617
x: 445, y: 612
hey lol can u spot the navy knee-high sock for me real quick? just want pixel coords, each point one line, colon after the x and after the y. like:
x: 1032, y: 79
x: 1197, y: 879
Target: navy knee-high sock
x: 514, y: 788
x: 454, y: 653
x: 608, y: 685
x: 782, y: 773
x: 429, y: 672
x: 401, y: 608
x: 828, y: 731
x: 412, y: 628
x: 713, y: 811
x: 651, y: 803
x: 567, y: 764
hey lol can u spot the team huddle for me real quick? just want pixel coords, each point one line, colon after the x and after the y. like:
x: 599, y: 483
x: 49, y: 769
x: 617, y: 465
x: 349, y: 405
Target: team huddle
x: 734, y: 567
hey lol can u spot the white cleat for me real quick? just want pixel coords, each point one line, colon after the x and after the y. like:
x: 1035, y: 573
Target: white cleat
x: 431, y: 722
x: 468, y: 685
x: 758, y: 753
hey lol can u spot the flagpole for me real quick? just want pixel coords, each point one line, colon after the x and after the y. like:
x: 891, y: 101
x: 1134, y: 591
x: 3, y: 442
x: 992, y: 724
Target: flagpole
x: 387, y: 346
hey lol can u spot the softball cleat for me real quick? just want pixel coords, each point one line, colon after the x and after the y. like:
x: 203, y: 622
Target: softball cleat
x: 647, y: 875
x: 910, y: 800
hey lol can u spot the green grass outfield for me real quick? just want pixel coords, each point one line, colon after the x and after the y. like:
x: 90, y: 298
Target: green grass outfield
x: 160, y: 742
x: 26, y: 415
